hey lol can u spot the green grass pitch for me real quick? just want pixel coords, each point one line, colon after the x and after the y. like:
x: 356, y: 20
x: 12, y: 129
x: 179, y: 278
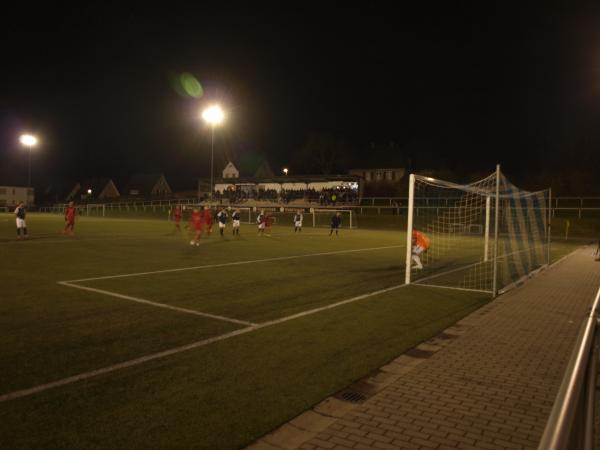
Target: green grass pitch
x: 242, y: 336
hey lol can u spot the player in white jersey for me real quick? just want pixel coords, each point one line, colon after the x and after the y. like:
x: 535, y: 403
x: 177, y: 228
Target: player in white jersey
x: 222, y: 219
x: 235, y: 217
x: 298, y: 221
x: 20, y: 213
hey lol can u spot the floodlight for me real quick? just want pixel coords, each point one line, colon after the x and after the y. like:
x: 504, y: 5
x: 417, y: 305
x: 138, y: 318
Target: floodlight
x: 28, y: 140
x: 213, y: 115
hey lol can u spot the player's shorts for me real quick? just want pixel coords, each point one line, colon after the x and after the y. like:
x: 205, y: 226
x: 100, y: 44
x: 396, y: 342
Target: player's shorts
x: 298, y: 224
x: 417, y: 249
x: 21, y: 223
x: 71, y: 223
x: 198, y: 226
x: 221, y: 225
x: 177, y: 219
x: 261, y: 226
x: 236, y: 224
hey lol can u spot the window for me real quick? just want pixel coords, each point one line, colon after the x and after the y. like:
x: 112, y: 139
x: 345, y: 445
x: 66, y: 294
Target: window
x: 388, y: 175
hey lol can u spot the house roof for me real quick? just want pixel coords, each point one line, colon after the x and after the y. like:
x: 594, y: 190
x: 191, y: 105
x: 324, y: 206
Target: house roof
x: 288, y: 179
x: 251, y: 166
x: 143, y: 182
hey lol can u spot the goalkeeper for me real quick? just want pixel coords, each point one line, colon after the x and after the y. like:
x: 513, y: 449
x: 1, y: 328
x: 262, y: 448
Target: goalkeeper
x: 420, y: 244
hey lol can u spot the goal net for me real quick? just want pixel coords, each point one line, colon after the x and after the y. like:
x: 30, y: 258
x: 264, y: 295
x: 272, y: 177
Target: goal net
x: 321, y: 217
x: 484, y: 236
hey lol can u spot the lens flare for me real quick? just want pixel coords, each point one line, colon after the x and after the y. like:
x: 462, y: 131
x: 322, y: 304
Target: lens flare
x: 186, y: 84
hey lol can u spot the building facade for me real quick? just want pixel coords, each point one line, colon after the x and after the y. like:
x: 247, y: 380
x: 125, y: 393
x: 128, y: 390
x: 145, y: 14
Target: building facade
x: 11, y: 196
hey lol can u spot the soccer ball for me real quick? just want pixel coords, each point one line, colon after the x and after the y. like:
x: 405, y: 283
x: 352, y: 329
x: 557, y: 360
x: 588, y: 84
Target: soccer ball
x: 191, y: 242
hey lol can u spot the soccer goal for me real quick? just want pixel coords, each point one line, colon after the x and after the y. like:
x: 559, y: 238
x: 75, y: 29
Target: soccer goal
x: 484, y: 236
x: 321, y: 217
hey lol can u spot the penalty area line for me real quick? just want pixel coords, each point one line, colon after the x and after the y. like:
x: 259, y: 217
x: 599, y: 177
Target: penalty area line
x: 144, y: 359
x: 235, y: 263
x: 156, y: 304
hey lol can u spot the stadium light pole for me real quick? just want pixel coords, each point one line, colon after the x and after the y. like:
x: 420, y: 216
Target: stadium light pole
x: 29, y: 141
x: 285, y: 171
x: 213, y: 115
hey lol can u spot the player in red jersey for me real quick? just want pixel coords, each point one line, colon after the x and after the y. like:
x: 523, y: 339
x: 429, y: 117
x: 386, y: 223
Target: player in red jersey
x: 177, y: 214
x: 70, y: 219
x: 208, y: 219
x: 269, y: 219
x: 197, y: 223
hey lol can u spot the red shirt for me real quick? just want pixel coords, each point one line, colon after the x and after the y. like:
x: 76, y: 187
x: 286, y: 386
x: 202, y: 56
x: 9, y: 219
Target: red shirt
x: 208, y: 218
x: 70, y: 214
x: 196, y: 220
x: 177, y: 214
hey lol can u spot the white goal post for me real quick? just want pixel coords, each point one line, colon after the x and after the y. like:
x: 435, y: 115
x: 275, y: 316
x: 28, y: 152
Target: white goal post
x: 483, y: 236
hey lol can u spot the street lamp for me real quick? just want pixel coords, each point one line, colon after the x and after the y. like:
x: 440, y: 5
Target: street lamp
x: 285, y: 170
x: 213, y: 115
x: 29, y: 141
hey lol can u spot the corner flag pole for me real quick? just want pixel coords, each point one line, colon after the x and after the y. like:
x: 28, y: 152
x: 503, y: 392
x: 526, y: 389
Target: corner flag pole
x: 409, y: 226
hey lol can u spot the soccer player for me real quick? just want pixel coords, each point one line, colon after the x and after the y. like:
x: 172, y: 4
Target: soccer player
x: 597, y: 252
x: 70, y: 213
x: 269, y: 219
x: 298, y: 221
x: 222, y: 219
x: 336, y: 221
x: 177, y: 214
x: 261, y: 220
x: 420, y: 244
x: 208, y: 219
x: 197, y: 222
x: 235, y: 217
x: 20, y: 213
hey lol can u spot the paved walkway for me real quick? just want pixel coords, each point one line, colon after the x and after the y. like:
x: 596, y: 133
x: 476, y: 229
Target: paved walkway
x: 489, y: 382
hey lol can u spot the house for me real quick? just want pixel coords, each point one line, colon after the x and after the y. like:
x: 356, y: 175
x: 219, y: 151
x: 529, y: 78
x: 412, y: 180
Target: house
x: 147, y: 185
x: 380, y: 182
x: 11, y: 196
x: 389, y: 175
x: 94, y: 188
x: 250, y: 168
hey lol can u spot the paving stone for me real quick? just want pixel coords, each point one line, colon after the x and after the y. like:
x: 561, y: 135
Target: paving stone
x: 490, y: 386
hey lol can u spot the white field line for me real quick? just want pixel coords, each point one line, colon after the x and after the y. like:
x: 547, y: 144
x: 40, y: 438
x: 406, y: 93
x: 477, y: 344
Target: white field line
x: 236, y: 263
x: 451, y: 287
x: 137, y: 361
x: 159, y: 305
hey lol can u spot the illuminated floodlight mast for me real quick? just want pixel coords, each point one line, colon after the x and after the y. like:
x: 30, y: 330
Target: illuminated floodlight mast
x: 29, y: 141
x: 285, y: 170
x: 213, y: 115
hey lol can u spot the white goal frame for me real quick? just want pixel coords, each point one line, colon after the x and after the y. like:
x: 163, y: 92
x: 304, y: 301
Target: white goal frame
x: 489, y: 254
x: 315, y: 211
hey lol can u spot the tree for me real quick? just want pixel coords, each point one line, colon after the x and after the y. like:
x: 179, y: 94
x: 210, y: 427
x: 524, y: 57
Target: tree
x: 324, y: 153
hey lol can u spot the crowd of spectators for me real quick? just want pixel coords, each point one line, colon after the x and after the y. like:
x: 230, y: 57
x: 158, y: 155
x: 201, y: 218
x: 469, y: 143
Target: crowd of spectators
x: 323, y: 197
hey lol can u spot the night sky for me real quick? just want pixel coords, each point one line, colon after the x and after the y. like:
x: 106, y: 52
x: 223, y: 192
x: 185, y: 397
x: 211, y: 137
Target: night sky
x: 460, y: 88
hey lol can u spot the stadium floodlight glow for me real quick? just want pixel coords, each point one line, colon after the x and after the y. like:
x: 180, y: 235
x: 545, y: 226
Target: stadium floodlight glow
x: 89, y: 192
x: 29, y: 141
x: 430, y: 179
x: 213, y: 115
x: 285, y: 170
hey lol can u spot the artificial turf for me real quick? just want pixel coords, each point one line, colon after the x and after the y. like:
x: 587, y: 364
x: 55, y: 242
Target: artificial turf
x: 219, y: 396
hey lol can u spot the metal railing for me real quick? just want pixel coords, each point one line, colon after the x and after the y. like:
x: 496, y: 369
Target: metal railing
x: 572, y: 421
